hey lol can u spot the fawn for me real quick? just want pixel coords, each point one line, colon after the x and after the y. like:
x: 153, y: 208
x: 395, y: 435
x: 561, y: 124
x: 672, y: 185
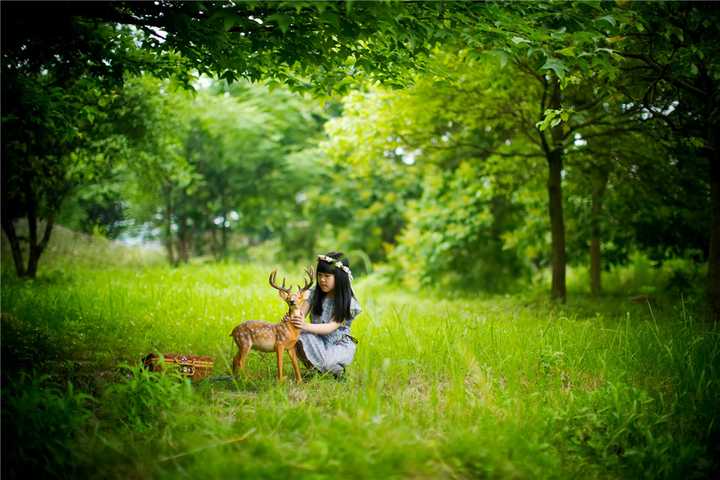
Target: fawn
x: 273, y: 337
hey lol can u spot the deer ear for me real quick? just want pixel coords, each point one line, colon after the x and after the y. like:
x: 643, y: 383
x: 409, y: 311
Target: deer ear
x: 283, y: 294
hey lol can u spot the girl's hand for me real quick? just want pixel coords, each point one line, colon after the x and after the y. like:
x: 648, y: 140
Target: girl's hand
x: 298, y: 321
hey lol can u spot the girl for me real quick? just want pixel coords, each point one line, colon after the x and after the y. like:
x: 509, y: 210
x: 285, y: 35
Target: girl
x: 325, y: 344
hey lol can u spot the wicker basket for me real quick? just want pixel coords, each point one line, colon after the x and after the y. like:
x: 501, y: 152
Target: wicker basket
x: 197, y: 367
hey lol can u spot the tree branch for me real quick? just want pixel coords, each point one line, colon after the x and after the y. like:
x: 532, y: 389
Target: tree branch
x: 661, y: 70
x: 612, y: 131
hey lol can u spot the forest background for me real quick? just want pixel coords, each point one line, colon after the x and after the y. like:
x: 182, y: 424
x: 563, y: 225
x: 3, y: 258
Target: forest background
x: 455, y: 150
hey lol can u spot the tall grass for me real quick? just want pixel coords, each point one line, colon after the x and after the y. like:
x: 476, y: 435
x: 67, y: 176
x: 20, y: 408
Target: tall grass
x: 498, y: 387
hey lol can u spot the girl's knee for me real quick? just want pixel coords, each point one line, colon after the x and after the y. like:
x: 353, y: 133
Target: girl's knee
x: 301, y: 355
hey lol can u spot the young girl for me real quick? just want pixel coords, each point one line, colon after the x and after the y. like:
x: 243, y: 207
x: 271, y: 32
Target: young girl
x: 325, y: 344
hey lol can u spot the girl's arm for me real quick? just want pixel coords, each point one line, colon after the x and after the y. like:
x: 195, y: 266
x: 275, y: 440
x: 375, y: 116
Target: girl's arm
x: 319, y: 328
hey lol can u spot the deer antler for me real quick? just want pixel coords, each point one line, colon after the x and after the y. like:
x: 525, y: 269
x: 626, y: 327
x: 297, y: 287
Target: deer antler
x: 272, y: 283
x: 309, y: 272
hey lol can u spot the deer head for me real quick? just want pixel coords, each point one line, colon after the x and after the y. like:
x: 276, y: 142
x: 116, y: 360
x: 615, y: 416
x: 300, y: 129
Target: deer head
x: 297, y: 299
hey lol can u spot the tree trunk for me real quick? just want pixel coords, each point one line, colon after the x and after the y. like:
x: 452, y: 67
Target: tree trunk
x: 168, y: 228
x: 557, y: 225
x: 599, y: 183
x: 223, y: 237
x: 37, y: 249
x: 9, y: 228
x: 183, y: 247
x: 32, y: 234
x: 557, y: 222
x: 214, y: 242
x: 195, y: 247
x: 713, y: 290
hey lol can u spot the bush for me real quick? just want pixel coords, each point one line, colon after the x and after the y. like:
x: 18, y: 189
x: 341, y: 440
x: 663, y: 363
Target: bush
x: 146, y: 400
x: 40, y: 422
x: 623, y: 428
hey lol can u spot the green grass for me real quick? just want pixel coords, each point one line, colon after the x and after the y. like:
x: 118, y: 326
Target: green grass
x: 492, y: 387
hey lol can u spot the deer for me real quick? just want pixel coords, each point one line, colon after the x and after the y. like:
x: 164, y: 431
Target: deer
x: 274, y: 337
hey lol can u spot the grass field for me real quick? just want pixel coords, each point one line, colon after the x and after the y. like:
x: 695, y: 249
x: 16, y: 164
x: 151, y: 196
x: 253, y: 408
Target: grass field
x: 461, y: 387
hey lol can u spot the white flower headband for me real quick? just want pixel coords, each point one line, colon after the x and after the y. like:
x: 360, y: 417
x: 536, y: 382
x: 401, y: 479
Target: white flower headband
x: 337, y: 264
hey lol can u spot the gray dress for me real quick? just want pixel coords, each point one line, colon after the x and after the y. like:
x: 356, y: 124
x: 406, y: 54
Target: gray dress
x: 334, y: 351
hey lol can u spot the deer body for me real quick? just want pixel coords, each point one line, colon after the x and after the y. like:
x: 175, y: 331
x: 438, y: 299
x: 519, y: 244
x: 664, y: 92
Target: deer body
x: 264, y: 336
x: 273, y: 337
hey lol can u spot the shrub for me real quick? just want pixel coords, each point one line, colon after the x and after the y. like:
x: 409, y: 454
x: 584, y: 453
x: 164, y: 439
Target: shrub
x: 40, y: 422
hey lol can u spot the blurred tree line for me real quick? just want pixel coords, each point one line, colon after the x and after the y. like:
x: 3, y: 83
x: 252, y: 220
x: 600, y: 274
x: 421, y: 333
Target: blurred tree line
x: 462, y: 144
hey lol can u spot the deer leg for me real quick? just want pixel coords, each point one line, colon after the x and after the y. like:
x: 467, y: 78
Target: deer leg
x: 294, y: 360
x: 236, y: 363
x: 280, y: 349
x: 239, y: 360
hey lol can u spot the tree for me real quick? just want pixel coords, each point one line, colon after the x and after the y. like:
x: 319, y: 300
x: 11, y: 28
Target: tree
x: 152, y: 117
x: 575, y: 54
x: 62, y: 143
x: 216, y: 164
x: 435, y: 225
x: 672, y: 51
x: 308, y: 45
x: 60, y: 80
x: 482, y: 109
x: 320, y: 46
x: 564, y: 51
x: 247, y: 145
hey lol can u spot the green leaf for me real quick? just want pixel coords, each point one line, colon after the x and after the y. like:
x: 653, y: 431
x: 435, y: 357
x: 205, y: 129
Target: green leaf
x: 678, y: 33
x: 283, y: 21
x: 330, y: 18
x: 568, y: 51
x: 612, y: 53
x: 229, y: 75
x: 519, y: 40
x: 556, y: 66
x: 228, y: 22
x: 500, y: 55
x: 608, y: 18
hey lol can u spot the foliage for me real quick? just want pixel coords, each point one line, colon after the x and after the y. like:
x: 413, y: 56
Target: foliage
x: 486, y: 90
x: 625, y: 428
x: 60, y: 80
x: 97, y: 208
x: 230, y: 161
x: 368, y: 181
x: 144, y: 399
x: 456, y: 236
x: 41, y: 422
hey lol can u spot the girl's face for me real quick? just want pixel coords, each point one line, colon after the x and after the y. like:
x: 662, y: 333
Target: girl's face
x: 326, y: 281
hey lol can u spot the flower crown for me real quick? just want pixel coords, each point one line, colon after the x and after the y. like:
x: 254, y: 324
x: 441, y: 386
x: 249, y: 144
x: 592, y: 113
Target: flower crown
x: 337, y: 264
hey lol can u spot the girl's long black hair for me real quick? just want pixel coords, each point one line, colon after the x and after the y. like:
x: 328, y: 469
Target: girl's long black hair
x: 343, y: 290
